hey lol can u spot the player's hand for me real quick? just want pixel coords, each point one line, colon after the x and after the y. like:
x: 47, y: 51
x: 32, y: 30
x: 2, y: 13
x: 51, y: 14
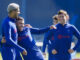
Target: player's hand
x: 54, y: 52
x: 28, y: 25
x: 70, y: 50
x: 24, y: 52
x: 52, y: 27
x: 3, y: 40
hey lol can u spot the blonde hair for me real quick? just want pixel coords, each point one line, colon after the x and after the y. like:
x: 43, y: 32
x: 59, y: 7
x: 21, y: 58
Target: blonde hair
x: 12, y: 6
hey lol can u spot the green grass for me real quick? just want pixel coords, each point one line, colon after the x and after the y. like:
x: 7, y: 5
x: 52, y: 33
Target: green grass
x: 0, y: 57
x: 78, y: 55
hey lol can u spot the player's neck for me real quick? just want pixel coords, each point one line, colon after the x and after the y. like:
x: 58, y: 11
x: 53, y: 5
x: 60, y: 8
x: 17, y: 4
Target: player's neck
x: 63, y: 24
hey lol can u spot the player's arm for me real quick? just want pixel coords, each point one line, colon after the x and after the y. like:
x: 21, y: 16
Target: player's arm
x: 77, y: 34
x: 49, y: 35
x: 9, y: 40
x: 40, y: 31
x: 45, y: 42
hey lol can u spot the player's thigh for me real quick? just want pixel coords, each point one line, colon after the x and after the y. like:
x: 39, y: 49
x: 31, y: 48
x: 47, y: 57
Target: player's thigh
x: 18, y: 56
x: 7, y: 54
x: 29, y: 56
x: 51, y: 57
x: 38, y: 55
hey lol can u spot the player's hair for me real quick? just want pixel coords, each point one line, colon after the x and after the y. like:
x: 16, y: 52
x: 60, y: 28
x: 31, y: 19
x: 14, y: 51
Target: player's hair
x: 63, y: 12
x: 55, y: 17
x: 13, y: 7
x: 19, y: 18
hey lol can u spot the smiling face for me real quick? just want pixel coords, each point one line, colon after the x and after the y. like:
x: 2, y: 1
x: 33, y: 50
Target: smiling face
x: 14, y: 13
x: 62, y: 18
x: 13, y: 10
x: 20, y: 24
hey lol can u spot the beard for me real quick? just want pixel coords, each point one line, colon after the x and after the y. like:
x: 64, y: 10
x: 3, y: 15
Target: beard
x: 15, y: 16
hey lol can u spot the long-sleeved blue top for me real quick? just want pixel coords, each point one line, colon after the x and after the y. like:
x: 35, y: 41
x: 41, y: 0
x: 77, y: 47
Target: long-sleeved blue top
x: 25, y: 37
x: 63, y: 37
x: 0, y: 42
x: 47, y: 43
x: 9, y: 30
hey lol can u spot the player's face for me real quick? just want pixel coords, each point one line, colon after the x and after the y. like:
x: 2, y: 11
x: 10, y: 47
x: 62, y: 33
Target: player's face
x: 62, y: 18
x: 15, y: 13
x: 20, y: 25
x: 55, y: 22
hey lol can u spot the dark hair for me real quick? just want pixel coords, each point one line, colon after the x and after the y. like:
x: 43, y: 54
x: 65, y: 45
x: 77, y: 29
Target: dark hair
x: 19, y: 18
x: 55, y: 17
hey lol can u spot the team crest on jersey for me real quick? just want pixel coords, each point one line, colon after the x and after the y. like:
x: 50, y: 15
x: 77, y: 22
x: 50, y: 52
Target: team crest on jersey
x: 61, y: 36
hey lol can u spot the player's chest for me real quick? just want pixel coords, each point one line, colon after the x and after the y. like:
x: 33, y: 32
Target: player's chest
x: 13, y: 28
x: 63, y: 33
x: 24, y: 33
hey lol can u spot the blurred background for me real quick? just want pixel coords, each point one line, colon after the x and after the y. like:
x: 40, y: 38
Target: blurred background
x: 39, y: 13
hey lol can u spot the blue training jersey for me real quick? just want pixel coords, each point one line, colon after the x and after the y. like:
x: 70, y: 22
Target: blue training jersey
x: 63, y: 37
x: 9, y: 30
x: 25, y: 38
x: 47, y: 43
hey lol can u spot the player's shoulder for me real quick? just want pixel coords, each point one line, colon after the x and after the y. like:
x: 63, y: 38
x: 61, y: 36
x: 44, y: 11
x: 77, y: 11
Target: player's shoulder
x: 5, y: 21
x: 71, y: 26
x: 57, y: 25
x: 51, y: 31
